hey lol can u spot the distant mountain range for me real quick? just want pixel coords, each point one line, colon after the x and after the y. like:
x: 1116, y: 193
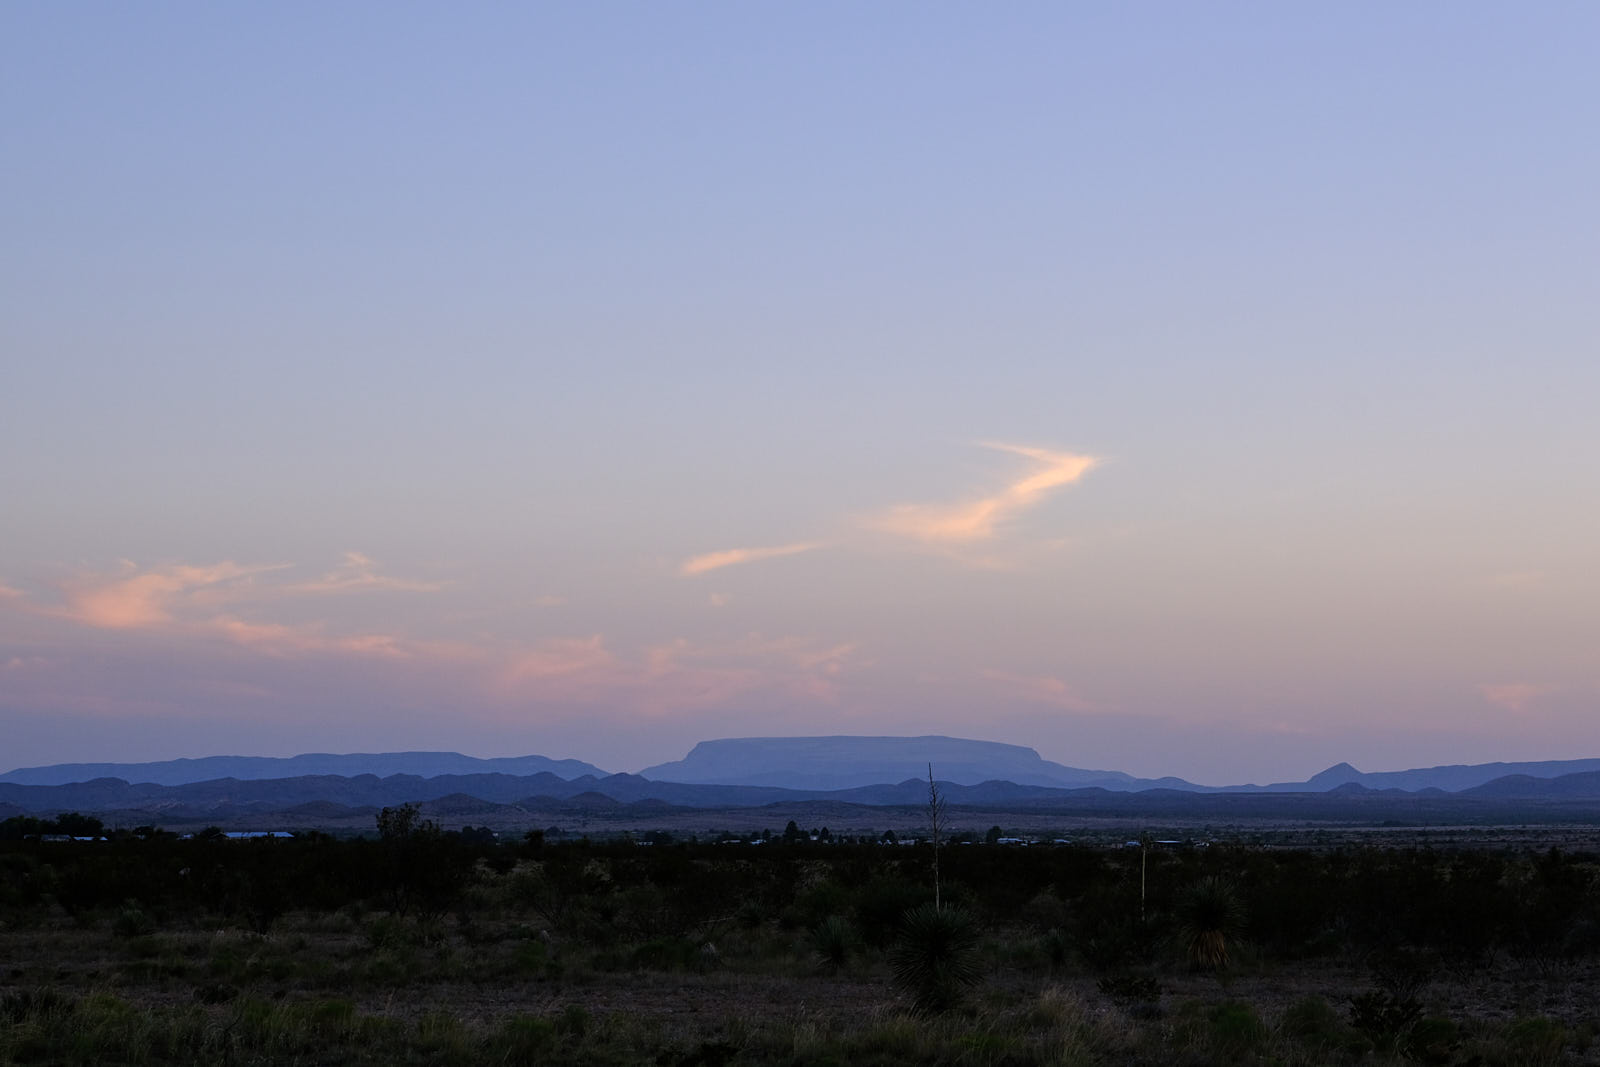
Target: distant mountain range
x: 1452, y: 779
x: 753, y: 772
x: 254, y: 768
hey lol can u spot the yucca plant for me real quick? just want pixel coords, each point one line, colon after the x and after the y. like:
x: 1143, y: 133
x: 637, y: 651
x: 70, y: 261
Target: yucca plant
x: 1209, y: 918
x: 935, y: 957
x: 833, y: 940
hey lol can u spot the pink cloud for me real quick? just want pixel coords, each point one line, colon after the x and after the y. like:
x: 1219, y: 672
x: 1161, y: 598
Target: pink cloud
x: 1515, y: 697
x: 711, y: 561
x: 559, y: 658
x: 1040, y: 689
x: 1518, y: 580
x: 673, y: 675
x: 182, y: 606
x: 278, y: 639
x: 359, y: 571
x: 164, y: 596
x: 181, y: 600
x: 945, y: 527
x: 980, y: 518
x: 148, y: 599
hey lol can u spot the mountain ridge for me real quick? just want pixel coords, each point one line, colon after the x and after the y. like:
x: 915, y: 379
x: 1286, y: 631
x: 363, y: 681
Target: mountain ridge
x: 751, y: 768
x: 257, y: 768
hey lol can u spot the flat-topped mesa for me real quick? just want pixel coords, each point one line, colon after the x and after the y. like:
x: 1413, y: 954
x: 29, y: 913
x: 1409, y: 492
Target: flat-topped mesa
x: 846, y: 762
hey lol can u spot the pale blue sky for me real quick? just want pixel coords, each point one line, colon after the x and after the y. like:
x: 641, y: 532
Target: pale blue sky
x: 531, y: 307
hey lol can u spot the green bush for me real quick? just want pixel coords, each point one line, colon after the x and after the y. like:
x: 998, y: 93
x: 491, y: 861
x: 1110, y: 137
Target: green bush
x: 1130, y: 989
x: 574, y: 1021
x: 523, y: 1039
x: 1384, y: 1018
x: 1317, y: 1024
x: 132, y: 921
x: 669, y: 954
x: 1056, y: 947
x: 1535, y: 1041
x: 1235, y: 1028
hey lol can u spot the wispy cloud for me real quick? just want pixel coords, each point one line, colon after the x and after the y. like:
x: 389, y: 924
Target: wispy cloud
x: 730, y: 557
x: 279, y: 640
x: 981, y: 518
x: 1515, y: 697
x: 1040, y: 689
x: 209, y: 600
x: 673, y: 675
x: 946, y: 527
x: 559, y: 658
x: 359, y: 571
x: 148, y: 598
x: 205, y: 609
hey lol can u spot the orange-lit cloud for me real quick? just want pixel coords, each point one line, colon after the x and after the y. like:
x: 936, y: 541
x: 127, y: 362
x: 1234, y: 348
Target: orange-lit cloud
x: 980, y: 518
x: 182, y: 601
x: 711, y: 561
x: 278, y: 639
x: 229, y: 604
x: 1040, y: 689
x: 169, y: 596
x: 1515, y: 697
x: 945, y: 527
x: 150, y: 598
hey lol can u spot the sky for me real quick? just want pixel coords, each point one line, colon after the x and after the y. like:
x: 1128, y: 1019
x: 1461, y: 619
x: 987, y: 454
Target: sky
x: 1205, y: 390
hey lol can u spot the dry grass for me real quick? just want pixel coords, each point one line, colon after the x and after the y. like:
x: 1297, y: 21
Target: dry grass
x: 336, y: 990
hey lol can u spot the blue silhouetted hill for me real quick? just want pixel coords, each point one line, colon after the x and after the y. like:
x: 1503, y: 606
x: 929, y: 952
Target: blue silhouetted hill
x: 844, y: 762
x: 255, y: 768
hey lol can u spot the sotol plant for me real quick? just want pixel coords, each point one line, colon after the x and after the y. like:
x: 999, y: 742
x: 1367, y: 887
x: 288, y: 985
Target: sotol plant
x: 935, y: 957
x: 1209, y: 917
x: 832, y: 941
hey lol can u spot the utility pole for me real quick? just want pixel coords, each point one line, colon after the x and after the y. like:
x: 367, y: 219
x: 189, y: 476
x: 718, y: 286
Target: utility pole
x: 935, y: 831
x: 1144, y: 862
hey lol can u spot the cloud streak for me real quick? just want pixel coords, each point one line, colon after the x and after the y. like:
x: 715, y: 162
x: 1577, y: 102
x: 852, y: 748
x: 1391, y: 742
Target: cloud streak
x: 732, y: 557
x: 981, y: 518
x: 276, y: 639
x: 360, y: 571
x: 945, y: 526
